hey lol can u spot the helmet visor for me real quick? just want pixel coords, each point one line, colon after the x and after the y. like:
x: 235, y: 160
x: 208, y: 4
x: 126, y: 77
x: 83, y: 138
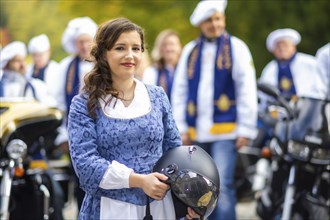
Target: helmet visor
x: 194, y: 190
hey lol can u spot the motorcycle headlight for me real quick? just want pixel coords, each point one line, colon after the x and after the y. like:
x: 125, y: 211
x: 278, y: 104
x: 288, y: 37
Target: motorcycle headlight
x: 16, y: 149
x: 298, y: 150
x: 321, y: 156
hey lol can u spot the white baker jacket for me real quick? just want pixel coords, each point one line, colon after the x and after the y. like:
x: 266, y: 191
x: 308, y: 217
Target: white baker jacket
x: 243, y: 73
x: 59, y: 89
x: 15, y: 85
x: 306, y: 77
x: 50, y: 76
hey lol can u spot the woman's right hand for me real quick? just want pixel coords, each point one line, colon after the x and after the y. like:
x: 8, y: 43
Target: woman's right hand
x: 152, y: 184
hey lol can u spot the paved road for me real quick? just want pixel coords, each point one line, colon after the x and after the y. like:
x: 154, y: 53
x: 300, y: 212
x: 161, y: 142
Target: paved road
x: 246, y: 211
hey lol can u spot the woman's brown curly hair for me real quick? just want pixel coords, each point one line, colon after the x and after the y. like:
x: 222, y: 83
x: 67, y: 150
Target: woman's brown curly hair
x: 98, y: 82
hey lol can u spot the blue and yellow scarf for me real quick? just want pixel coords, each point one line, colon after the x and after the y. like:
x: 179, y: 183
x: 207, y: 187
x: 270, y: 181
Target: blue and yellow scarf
x: 72, y: 82
x: 224, y: 107
x: 165, y: 80
x: 285, y: 79
x: 39, y: 73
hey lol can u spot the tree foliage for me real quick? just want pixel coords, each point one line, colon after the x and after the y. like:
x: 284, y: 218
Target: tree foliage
x: 250, y: 20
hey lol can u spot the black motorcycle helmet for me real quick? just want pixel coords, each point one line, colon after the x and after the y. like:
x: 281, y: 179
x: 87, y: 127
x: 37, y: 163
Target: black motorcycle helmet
x: 193, y: 178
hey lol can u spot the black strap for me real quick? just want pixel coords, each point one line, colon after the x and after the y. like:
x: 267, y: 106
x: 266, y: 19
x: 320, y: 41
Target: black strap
x: 148, y: 215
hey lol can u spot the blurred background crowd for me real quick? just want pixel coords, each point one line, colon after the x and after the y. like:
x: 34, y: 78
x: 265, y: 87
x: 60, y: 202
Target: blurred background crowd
x: 252, y: 21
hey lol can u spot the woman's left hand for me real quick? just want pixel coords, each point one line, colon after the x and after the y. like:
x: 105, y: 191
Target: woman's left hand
x: 241, y: 142
x: 191, y: 214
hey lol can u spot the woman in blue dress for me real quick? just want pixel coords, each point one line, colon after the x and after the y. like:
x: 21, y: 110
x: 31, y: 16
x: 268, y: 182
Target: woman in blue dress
x: 118, y: 128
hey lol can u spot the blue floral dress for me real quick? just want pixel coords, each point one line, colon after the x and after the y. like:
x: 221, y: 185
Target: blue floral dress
x: 137, y: 143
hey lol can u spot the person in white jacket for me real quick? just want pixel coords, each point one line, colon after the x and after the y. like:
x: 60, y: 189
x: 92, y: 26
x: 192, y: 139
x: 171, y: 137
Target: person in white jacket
x: 214, y: 97
x: 47, y: 70
x: 77, y: 40
x: 42, y: 67
x: 14, y: 81
x: 295, y: 74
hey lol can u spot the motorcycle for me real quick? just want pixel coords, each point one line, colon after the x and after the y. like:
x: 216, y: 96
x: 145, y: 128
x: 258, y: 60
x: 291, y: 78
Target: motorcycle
x: 245, y: 170
x: 297, y: 185
x: 250, y: 162
x: 27, y: 133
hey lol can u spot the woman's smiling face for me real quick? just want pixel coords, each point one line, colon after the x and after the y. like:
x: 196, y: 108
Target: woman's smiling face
x: 125, y: 56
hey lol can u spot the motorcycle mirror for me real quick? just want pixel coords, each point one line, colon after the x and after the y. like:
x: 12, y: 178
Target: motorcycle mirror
x: 274, y: 92
x: 268, y: 89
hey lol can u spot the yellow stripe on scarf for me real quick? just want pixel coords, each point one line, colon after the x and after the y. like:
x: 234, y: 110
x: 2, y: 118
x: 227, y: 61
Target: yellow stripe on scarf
x: 220, y: 128
x: 192, y: 133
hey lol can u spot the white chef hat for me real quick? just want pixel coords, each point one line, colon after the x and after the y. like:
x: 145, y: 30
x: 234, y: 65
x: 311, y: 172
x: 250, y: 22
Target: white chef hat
x: 205, y: 9
x: 280, y: 34
x: 75, y: 28
x: 10, y: 51
x: 39, y: 44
